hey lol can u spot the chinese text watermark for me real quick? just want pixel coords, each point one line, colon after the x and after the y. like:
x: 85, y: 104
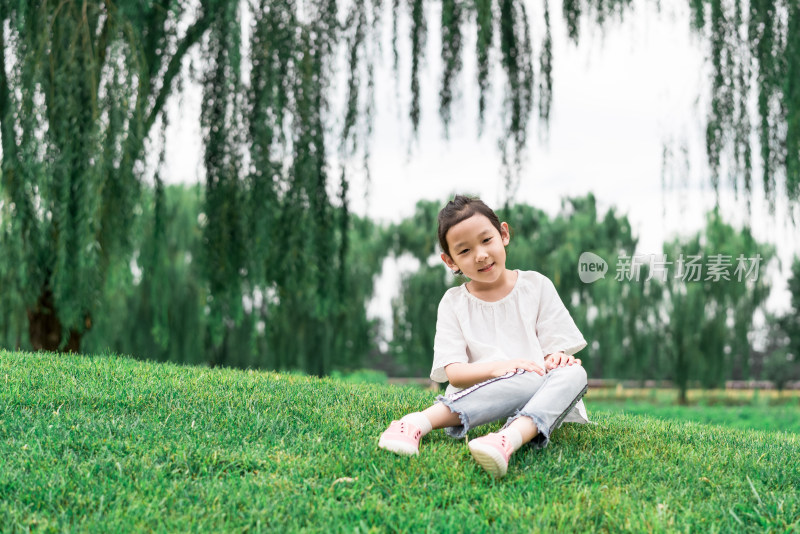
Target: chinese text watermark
x: 686, y: 268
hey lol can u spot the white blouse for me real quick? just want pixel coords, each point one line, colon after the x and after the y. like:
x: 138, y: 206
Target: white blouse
x: 529, y: 323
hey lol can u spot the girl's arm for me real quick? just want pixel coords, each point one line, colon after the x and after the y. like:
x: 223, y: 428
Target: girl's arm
x: 464, y: 375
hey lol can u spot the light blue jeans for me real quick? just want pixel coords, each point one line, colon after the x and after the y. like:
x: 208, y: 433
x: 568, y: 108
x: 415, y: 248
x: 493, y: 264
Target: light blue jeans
x: 545, y: 399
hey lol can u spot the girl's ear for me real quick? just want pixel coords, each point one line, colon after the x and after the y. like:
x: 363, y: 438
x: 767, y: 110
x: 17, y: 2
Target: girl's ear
x: 505, y: 234
x: 449, y: 262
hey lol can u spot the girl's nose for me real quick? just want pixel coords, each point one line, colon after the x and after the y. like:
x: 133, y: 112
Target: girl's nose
x: 480, y: 254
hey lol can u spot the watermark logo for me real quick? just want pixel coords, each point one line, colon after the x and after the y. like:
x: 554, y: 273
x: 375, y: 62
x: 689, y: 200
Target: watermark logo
x: 687, y: 268
x: 591, y: 267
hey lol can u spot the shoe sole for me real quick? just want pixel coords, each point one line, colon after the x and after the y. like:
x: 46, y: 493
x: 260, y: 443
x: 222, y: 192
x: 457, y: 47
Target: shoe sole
x: 398, y: 447
x: 489, y: 458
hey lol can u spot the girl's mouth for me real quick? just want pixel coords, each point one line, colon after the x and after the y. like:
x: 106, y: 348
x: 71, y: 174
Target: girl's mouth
x: 486, y: 269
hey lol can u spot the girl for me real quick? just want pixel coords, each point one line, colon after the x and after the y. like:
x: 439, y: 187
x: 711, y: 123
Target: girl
x: 504, y: 341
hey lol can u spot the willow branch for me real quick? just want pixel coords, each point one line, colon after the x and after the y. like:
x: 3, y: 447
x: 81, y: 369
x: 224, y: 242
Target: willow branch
x: 193, y: 34
x: 6, y: 126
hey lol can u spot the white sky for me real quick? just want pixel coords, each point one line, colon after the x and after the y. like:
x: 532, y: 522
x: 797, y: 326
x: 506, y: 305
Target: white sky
x: 618, y: 98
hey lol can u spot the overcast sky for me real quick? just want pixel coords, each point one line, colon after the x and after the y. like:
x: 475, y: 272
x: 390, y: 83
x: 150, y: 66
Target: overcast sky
x: 620, y: 96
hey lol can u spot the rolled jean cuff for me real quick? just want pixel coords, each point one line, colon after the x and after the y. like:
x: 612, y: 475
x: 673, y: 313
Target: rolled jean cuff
x: 457, y: 432
x: 541, y: 439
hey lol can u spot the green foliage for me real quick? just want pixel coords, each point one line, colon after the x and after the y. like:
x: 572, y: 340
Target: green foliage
x: 710, y: 318
x: 167, y: 315
x: 414, y: 314
x: 791, y: 321
x: 81, y: 86
x: 82, y: 92
x: 546, y: 69
x: 414, y: 310
x: 782, y: 352
x: 754, y: 47
x: 223, y: 232
x: 418, y: 37
x: 110, y: 444
x: 451, y: 56
x: 639, y: 323
x: 162, y: 313
x: 595, y: 11
x: 484, y: 23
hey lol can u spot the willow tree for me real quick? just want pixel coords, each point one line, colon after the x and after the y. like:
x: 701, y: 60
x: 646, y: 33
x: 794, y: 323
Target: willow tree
x: 710, y: 303
x: 82, y: 85
x: 288, y: 209
x: 272, y: 227
x: 754, y: 52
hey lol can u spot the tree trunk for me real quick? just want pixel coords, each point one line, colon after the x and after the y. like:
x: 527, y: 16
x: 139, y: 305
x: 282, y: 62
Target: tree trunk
x: 44, y: 327
x: 683, y: 400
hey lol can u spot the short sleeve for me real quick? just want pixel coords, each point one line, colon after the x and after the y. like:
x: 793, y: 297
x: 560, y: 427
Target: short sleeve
x: 554, y: 325
x: 449, y: 345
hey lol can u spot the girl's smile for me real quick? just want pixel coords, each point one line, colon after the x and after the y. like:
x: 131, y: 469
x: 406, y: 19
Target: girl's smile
x: 477, y: 249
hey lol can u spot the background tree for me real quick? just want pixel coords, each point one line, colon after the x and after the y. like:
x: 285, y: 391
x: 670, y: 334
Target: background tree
x: 415, y: 308
x: 710, y: 315
x: 159, y: 313
x: 82, y: 90
x: 81, y: 87
x: 782, y: 352
x: 162, y: 312
x: 791, y: 321
x: 754, y: 48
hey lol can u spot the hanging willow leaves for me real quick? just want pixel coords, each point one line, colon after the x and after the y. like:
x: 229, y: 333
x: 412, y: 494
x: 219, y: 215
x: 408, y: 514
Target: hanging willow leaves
x: 221, y: 121
x: 753, y: 49
x: 83, y: 88
x: 418, y: 38
x: 572, y: 14
x: 451, y: 57
x: 596, y: 11
x: 395, y: 53
x: 517, y: 60
x: 791, y: 92
x: 81, y: 85
x: 546, y: 69
x: 484, y: 22
x: 357, y: 24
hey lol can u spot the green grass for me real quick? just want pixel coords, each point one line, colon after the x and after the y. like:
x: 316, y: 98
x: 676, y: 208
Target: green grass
x: 110, y: 444
x: 771, y: 418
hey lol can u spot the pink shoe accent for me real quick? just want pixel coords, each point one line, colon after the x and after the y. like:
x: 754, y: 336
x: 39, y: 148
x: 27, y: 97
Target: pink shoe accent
x: 492, y: 452
x: 401, y: 437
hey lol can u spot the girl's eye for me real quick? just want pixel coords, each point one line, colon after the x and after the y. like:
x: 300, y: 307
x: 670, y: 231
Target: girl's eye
x: 463, y: 251
x: 487, y: 239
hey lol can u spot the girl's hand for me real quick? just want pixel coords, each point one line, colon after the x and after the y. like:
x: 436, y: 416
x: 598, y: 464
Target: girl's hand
x: 511, y: 366
x: 559, y: 359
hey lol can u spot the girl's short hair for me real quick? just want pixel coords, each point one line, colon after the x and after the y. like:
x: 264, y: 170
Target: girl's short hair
x: 460, y: 209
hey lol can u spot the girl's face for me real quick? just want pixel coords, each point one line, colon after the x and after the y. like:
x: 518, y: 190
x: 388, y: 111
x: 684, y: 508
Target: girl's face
x: 477, y: 248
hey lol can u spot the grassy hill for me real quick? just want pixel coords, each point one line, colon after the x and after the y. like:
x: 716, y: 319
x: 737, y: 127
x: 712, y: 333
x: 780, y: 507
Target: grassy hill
x: 107, y: 443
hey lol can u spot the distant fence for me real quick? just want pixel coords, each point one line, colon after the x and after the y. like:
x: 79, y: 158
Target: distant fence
x: 604, y: 383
